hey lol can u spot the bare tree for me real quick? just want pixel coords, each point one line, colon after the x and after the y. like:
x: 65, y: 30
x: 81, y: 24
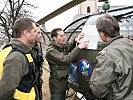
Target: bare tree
x: 12, y: 10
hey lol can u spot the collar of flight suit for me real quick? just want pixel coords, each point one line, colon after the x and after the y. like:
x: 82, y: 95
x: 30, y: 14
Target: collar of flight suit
x: 114, y: 38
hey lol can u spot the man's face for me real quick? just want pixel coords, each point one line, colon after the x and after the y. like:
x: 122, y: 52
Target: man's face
x: 103, y: 36
x: 60, y: 39
x: 32, y: 35
x: 38, y: 34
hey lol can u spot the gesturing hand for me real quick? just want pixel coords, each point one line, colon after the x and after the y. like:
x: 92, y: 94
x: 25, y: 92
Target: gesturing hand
x: 77, y: 39
x: 83, y: 45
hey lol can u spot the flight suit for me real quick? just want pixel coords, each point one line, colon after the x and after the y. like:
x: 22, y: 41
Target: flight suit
x: 112, y: 77
x: 59, y: 58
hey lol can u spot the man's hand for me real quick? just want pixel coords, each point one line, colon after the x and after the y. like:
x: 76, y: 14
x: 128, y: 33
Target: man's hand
x: 83, y: 45
x: 77, y: 39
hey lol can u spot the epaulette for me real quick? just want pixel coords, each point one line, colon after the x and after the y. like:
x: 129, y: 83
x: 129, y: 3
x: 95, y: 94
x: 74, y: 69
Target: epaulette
x: 50, y: 48
x: 103, y: 51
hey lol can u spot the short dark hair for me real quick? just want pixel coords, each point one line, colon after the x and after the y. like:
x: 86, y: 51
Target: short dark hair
x: 22, y: 24
x: 54, y: 32
x: 108, y: 25
x: 37, y: 25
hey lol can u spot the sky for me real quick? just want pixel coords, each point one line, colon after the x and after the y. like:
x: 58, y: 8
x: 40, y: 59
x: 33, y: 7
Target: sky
x: 45, y: 7
x: 61, y: 20
x: 64, y: 19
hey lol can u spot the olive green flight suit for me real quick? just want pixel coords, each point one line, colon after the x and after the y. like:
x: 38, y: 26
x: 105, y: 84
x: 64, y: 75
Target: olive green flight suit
x: 59, y: 58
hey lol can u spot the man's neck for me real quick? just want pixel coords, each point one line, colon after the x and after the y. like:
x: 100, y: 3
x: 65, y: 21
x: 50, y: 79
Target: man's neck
x: 23, y: 41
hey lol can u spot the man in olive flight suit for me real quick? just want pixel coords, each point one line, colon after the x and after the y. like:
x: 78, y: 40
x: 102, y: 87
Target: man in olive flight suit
x: 112, y: 78
x: 37, y: 56
x: 59, y: 57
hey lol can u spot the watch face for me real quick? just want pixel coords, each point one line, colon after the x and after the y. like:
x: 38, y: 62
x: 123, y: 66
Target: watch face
x: 85, y: 68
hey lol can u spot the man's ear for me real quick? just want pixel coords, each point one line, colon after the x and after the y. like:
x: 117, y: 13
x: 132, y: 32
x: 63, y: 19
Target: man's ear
x: 54, y: 38
x: 103, y: 34
x: 25, y: 33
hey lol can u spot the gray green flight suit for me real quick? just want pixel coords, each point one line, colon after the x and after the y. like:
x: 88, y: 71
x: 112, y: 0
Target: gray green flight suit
x: 113, y: 73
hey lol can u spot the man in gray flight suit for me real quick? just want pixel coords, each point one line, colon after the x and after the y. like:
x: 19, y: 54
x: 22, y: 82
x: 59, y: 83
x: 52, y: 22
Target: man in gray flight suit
x: 59, y: 57
x: 112, y: 77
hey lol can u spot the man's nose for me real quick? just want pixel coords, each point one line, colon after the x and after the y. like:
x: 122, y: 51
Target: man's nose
x: 39, y: 35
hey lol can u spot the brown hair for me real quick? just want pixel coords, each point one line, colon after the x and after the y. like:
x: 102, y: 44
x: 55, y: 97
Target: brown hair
x: 54, y: 32
x: 22, y: 24
x: 108, y: 25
